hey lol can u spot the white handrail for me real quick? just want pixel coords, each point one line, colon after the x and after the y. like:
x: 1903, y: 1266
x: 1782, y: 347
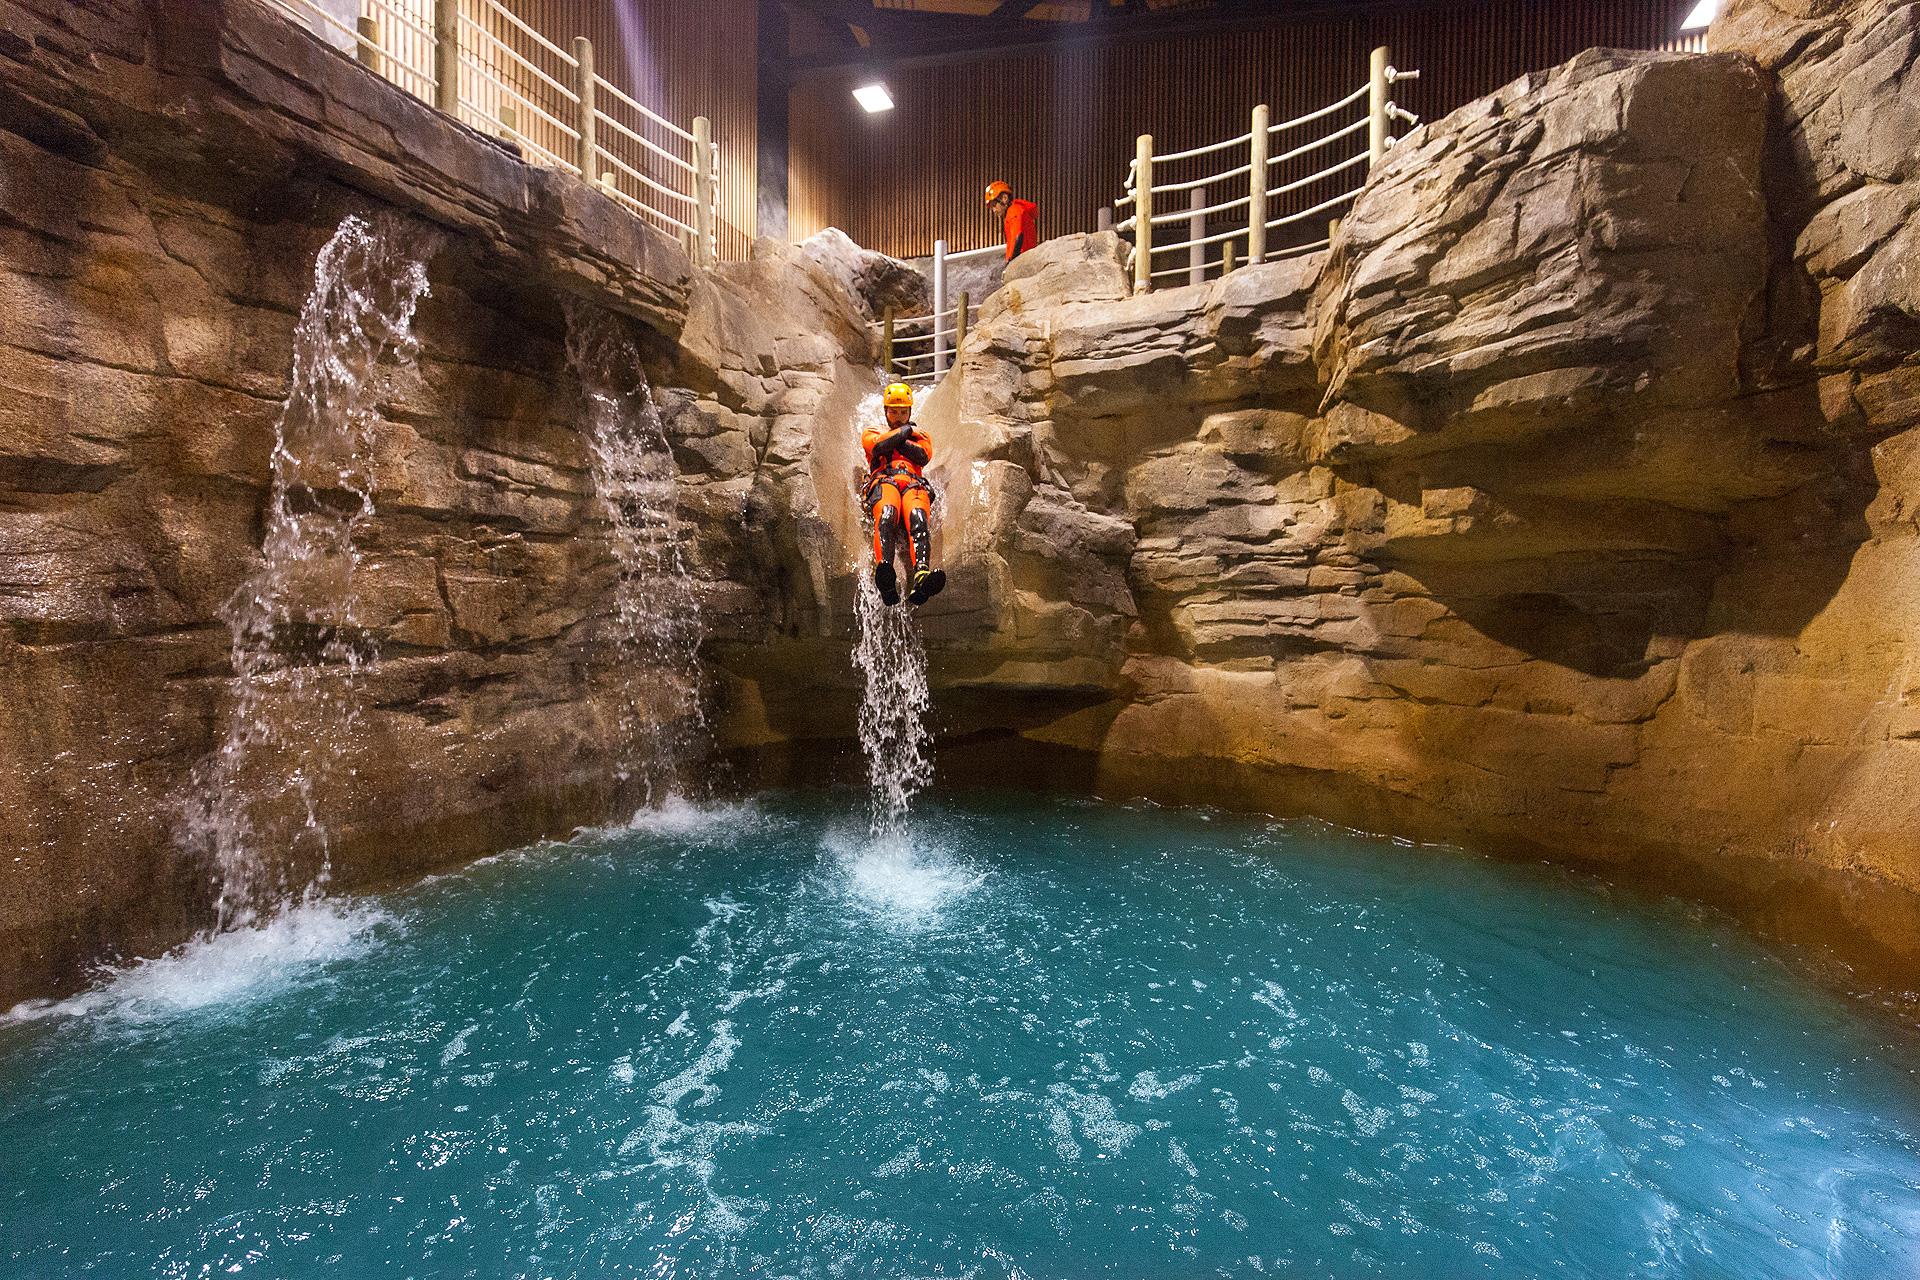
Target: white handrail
x: 537, y: 38
x: 642, y: 207
x: 1181, y: 215
x: 1327, y: 110
x: 401, y: 17
x: 473, y: 61
x: 650, y: 114
x: 1201, y: 151
x: 1322, y: 207
x: 359, y: 40
x: 1200, y: 182
x: 649, y: 144
x: 1204, y: 240
x: 1298, y: 183
x: 489, y: 40
x: 662, y: 189
x: 1317, y: 143
x: 981, y: 252
x: 637, y: 176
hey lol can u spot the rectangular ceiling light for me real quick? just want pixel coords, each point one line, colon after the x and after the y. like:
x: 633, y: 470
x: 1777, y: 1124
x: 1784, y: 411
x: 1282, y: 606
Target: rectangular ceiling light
x: 1701, y: 15
x: 874, y: 97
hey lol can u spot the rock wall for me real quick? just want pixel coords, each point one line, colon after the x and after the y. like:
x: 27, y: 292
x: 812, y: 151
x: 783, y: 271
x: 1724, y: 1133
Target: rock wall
x: 168, y: 171
x: 1564, y: 505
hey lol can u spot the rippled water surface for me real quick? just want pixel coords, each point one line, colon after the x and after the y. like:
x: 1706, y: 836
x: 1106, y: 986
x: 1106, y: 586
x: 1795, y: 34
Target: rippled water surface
x: 1046, y: 1039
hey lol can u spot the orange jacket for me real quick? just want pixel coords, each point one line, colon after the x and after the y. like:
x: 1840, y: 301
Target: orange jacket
x: 897, y: 459
x: 1022, y: 227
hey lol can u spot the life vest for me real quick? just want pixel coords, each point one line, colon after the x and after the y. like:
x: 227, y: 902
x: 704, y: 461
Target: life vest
x: 896, y: 469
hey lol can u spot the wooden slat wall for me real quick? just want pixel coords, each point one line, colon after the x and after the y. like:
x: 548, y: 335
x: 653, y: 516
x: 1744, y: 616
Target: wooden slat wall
x: 1060, y: 126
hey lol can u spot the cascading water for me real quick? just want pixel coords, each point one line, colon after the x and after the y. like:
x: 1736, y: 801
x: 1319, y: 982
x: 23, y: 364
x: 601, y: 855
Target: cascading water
x: 298, y: 638
x: 894, y: 698
x: 657, y: 626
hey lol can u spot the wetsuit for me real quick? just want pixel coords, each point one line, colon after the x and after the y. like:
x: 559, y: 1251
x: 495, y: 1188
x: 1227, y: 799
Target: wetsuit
x: 1022, y: 227
x: 898, y: 495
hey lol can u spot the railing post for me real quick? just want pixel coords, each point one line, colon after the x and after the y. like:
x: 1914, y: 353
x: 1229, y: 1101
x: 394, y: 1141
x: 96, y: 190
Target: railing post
x: 960, y: 325
x: 886, y: 339
x: 1143, y: 213
x: 1257, y: 188
x: 1226, y: 258
x: 589, y: 158
x: 367, y: 47
x: 1196, y: 232
x: 446, y: 56
x: 713, y: 202
x: 702, y: 191
x: 1103, y: 218
x: 1377, y: 107
x: 939, y: 305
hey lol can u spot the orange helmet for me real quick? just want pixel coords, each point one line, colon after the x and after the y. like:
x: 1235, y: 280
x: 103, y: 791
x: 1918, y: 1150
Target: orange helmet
x: 898, y: 395
x: 997, y: 189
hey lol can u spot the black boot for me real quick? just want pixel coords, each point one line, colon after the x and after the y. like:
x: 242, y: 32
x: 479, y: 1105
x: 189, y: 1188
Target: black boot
x: 926, y: 585
x: 889, y: 584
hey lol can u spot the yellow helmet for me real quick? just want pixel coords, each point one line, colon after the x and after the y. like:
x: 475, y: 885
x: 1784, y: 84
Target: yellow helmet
x: 898, y: 395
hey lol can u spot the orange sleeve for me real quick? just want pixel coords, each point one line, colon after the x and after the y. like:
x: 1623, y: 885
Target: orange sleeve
x: 925, y: 442
x: 868, y: 439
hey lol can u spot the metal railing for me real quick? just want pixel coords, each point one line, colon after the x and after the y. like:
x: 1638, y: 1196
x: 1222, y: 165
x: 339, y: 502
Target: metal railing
x: 1247, y: 202
x: 914, y: 349
x: 485, y: 65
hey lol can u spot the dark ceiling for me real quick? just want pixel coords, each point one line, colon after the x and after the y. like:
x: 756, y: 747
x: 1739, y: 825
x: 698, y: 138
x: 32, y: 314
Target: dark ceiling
x: 832, y: 33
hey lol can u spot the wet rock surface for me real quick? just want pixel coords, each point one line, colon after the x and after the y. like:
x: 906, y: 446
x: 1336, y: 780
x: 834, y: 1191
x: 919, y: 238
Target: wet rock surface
x: 1564, y: 505
x: 1530, y: 513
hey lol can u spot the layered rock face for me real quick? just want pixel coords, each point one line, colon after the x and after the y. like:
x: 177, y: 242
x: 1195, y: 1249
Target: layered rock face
x: 1530, y: 513
x: 167, y: 174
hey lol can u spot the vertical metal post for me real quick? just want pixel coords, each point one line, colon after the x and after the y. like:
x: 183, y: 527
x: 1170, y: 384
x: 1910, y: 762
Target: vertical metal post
x: 1196, y: 232
x: 960, y: 325
x: 702, y: 190
x: 1103, y: 218
x: 510, y: 128
x: 1143, y: 213
x: 367, y: 47
x: 1226, y: 258
x: 713, y: 202
x: 886, y: 340
x: 1257, y: 188
x: 446, y: 55
x: 939, y: 306
x: 1377, y: 107
x: 589, y: 158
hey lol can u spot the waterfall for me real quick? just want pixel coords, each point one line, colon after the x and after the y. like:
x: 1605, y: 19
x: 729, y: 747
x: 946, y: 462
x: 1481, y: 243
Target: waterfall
x: 298, y: 640
x: 656, y: 624
x: 894, y: 697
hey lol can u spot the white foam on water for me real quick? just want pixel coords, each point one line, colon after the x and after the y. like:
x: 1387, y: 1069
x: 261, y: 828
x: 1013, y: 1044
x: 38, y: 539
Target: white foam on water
x: 226, y: 969
x: 901, y: 879
x: 678, y: 817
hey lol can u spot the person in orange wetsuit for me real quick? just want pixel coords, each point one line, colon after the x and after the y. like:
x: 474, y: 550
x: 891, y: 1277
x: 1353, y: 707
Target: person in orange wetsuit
x: 1018, y: 218
x: 900, y: 500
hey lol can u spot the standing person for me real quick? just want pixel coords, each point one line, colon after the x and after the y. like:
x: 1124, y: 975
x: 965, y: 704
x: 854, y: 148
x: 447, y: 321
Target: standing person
x: 898, y: 497
x: 1017, y: 218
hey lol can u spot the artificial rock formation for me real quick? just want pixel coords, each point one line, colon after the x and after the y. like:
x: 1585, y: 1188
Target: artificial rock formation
x: 1562, y: 506
x: 167, y: 173
x: 1532, y: 513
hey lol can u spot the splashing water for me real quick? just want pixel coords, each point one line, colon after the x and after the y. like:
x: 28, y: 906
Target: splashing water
x: 894, y: 700
x: 298, y: 637
x: 657, y: 627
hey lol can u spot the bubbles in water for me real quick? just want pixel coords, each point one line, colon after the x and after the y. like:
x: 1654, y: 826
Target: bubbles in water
x: 656, y: 623
x: 226, y: 968
x: 902, y: 880
x: 298, y: 637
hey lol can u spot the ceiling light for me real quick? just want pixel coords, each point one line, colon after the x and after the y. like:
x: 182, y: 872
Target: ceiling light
x: 1701, y: 15
x: 874, y: 97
